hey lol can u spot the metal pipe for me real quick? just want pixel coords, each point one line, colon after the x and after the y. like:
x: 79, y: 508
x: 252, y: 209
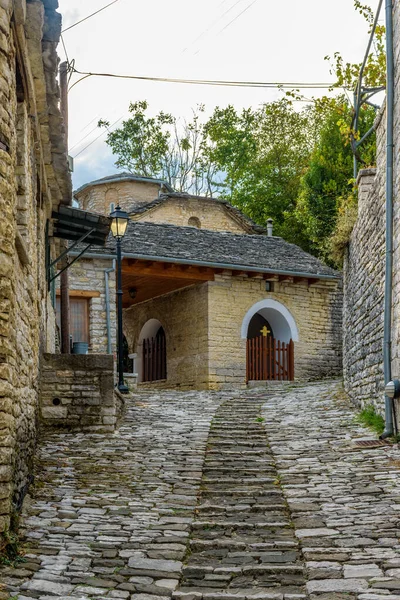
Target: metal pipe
x: 108, y: 317
x: 213, y: 265
x: 121, y: 385
x: 387, y: 333
x: 64, y: 282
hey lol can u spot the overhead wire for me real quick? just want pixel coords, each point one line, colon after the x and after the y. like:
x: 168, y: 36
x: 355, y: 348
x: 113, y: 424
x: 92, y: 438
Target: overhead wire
x: 212, y: 24
x: 98, y: 137
x: 237, y: 16
x: 212, y: 82
x: 89, y: 16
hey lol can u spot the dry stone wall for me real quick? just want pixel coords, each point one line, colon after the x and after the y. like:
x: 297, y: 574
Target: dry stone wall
x: 77, y: 391
x: 33, y: 179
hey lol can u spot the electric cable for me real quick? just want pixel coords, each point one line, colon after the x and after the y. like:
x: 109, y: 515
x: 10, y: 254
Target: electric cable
x: 212, y: 24
x: 98, y: 137
x: 250, y: 84
x: 89, y: 16
x: 237, y: 16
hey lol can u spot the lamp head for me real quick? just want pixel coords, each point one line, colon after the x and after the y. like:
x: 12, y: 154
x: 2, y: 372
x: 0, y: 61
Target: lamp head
x: 119, y: 222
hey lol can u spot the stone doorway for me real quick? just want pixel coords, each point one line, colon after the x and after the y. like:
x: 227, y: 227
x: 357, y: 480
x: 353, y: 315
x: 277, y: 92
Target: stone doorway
x: 270, y: 332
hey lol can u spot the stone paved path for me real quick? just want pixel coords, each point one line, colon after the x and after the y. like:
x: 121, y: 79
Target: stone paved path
x: 111, y: 513
x: 345, y: 504
x: 269, y: 507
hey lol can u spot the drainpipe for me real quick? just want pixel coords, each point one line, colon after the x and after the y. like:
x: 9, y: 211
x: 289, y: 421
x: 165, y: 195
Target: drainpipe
x: 108, y: 319
x: 387, y: 335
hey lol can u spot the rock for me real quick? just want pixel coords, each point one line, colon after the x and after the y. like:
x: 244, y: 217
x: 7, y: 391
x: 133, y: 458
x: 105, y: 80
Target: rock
x: 336, y: 585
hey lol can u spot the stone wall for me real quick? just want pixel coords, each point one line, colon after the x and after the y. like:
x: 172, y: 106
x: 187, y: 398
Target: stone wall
x: 209, y: 213
x: 315, y: 308
x: 364, y: 275
x: 184, y: 317
x: 88, y: 275
x: 364, y: 269
x: 33, y: 180
x: 77, y: 391
x: 128, y: 194
x: 203, y: 329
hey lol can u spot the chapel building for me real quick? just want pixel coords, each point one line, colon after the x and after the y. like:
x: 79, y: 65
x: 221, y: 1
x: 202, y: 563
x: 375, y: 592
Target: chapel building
x: 210, y: 299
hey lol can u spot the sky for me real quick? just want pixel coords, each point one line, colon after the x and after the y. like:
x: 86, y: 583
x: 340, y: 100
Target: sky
x: 241, y: 40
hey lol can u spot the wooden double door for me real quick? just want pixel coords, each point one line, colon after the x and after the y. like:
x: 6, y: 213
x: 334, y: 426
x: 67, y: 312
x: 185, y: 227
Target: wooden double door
x: 267, y: 358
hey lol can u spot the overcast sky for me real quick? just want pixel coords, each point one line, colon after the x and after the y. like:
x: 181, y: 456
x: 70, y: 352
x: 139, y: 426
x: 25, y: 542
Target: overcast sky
x: 260, y: 40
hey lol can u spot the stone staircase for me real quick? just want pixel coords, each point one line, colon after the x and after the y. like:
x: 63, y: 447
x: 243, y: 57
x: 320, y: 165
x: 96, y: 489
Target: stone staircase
x: 242, y: 544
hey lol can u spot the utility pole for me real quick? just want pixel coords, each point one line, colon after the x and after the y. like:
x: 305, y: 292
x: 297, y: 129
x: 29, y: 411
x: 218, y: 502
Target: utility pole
x: 64, y: 284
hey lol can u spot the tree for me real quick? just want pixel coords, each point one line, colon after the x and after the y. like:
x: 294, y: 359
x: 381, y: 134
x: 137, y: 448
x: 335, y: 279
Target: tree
x: 328, y: 181
x: 262, y: 154
x: 163, y: 148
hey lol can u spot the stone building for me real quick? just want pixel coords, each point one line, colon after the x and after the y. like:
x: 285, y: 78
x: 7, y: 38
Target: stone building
x: 210, y: 300
x: 34, y: 180
x: 364, y: 268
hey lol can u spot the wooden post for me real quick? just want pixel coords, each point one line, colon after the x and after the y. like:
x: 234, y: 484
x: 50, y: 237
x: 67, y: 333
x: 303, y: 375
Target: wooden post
x: 64, y: 284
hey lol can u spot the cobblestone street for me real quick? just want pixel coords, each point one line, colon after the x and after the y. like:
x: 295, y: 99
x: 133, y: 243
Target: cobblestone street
x: 206, y: 496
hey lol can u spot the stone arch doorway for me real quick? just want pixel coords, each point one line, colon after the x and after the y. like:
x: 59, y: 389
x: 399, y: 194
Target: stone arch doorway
x: 152, y: 352
x: 270, y: 331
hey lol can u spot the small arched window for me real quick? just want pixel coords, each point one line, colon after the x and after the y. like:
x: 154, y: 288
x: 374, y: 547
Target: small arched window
x: 194, y: 222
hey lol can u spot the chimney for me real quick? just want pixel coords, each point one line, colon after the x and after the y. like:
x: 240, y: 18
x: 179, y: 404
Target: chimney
x: 269, y: 227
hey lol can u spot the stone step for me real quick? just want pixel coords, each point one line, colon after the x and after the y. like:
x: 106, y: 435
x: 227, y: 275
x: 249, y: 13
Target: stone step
x: 240, y: 506
x: 249, y: 521
x: 278, y: 593
x: 252, y: 493
x: 238, y: 480
x: 235, y: 545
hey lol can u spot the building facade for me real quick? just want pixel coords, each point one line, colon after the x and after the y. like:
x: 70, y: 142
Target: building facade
x: 200, y: 282
x: 34, y: 180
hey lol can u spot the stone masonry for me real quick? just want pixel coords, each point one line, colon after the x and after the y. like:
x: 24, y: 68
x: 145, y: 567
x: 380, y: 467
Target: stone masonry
x: 89, y: 276
x: 34, y: 179
x: 77, y: 391
x: 208, y: 213
x: 244, y: 495
x: 202, y: 325
x: 364, y: 268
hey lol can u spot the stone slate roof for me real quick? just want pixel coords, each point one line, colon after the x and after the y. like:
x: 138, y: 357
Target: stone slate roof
x: 125, y: 176
x: 235, y: 212
x: 188, y: 245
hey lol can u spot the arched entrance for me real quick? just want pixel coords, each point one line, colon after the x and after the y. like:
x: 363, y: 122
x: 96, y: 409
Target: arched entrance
x: 270, y: 331
x: 152, y: 352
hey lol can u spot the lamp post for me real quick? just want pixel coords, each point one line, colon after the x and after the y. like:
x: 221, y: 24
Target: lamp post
x: 119, y: 223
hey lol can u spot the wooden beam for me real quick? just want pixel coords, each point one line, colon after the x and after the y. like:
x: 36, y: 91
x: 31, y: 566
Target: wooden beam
x: 175, y: 272
x: 82, y: 293
x: 286, y: 278
x: 269, y: 277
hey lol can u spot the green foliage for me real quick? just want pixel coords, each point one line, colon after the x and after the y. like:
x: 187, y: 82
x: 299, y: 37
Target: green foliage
x: 375, y: 69
x: 263, y: 154
x: 371, y: 419
x: 328, y: 179
x: 160, y: 147
x: 10, y: 552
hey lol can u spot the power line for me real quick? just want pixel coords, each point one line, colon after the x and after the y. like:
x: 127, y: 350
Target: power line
x: 98, y: 137
x: 89, y: 16
x: 237, y: 16
x: 212, y: 24
x: 250, y: 84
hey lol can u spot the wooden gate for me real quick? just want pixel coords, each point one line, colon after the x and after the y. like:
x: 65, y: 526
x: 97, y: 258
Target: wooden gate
x: 269, y: 359
x: 155, y: 358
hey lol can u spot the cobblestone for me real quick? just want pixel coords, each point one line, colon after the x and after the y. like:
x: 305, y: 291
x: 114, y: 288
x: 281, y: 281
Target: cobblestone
x: 251, y: 495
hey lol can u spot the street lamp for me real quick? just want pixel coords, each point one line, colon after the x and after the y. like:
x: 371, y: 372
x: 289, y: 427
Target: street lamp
x: 119, y: 223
